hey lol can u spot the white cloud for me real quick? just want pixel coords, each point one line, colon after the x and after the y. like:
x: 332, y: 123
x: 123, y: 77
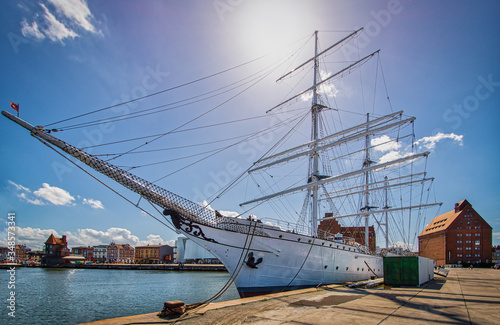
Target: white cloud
x: 328, y: 89
x: 229, y: 213
x: 77, y: 11
x: 35, y: 238
x: 29, y: 200
x: 384, y: 143
x: 430, y: 142
x: 72, y: 16
x: 31, y: 31
x: 394, y: 150
x: 56, y: 30
x: 91, y: 237
x: 156, y: 240
x: 94, y: 204
x: 19, y: 187
x: 54, y: 195
x: 393, y: 155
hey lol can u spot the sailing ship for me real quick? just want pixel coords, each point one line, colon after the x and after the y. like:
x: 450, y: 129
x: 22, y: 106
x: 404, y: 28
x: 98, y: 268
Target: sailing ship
x: 266, y: 255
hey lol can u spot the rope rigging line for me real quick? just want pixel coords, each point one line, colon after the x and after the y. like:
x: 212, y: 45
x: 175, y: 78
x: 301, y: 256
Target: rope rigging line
x: 276, y: 145
x: 385, y: 84
x: 186, y: 130
x: 216, y: 150
x: 283, y: 60
x: 203, y: 114
x: 215, y: 153
x: 106, y: 185
x: 156, y: 109
x: 161, y: 91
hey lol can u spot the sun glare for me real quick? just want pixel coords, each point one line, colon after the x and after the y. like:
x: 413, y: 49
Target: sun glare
x: 269, y: 26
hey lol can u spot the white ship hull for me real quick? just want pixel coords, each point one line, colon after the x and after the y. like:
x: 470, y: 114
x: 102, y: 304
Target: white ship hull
x: 289, y: 261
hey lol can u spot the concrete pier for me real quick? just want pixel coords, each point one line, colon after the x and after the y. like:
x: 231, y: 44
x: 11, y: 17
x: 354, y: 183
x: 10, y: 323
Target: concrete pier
x: 464, y: 297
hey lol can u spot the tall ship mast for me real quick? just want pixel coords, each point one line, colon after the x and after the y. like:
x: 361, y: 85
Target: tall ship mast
x: 267, y: 254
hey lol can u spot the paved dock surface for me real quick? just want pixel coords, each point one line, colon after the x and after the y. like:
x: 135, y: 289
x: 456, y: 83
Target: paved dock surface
x: 464, y: 297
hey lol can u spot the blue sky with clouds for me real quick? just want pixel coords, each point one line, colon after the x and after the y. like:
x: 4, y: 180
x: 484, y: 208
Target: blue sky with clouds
x: 65, y: 58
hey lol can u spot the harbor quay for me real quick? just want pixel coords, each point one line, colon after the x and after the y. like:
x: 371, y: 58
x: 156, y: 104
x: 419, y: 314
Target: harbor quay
x: 465, y: 296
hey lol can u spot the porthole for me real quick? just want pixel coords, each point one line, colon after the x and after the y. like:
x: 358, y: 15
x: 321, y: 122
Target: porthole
x: 357, y: 269
x: 280, y: 236
x: 322, y: 244
x: 309, y: 241
x: 347, y: 268
x: 337, y: 268
x: 326, y: 266
x: 330, y: 245
x: 298, y: 239
x: 362, y: 269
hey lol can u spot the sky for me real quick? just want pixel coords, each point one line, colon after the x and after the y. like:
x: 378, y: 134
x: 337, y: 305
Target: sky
x: 61, y: 59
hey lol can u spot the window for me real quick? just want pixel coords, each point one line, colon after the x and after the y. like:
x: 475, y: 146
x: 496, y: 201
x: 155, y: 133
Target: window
x: 467, y: 241
x: 459, y: 235
x: 477, y: 242
x: 468, y: 248
x: 468, y: 235
x: 478, y: 235
x: 459, y: 248
x: 478, y: 248
x: 459, y: 255
x: 459, y: 241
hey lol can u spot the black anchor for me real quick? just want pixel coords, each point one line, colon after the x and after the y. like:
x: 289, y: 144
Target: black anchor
x: 251, y: 261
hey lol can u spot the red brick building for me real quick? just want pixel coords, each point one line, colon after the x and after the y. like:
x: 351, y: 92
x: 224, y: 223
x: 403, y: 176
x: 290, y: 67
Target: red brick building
x: 118, y: 253
x: 55, y: 250
x: 459, y: 236
x: 332, y: 226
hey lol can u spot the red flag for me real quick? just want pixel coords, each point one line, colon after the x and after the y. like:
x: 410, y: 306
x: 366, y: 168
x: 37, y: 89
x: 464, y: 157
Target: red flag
x: 14, y: 106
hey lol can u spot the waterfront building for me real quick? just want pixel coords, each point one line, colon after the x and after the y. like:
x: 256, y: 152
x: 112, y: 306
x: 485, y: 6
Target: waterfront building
x: 21, y: 254
x: 55, y: 250
x: 100, y: 253
x: 460, y: 236
x: 154, y: 254
x: 34, y: 256
x: 86, y: 252
x: 3, y: 254
x: 120, y: 253
x: 495, y: 252
x: 190, y: 252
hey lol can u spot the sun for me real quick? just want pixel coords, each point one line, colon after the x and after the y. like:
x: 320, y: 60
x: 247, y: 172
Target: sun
x: 262, y: 27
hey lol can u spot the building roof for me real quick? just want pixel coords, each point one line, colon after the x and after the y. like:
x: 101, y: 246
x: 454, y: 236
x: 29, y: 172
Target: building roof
x: 56, y: 241
x: 443, y: 221
x: 149, y: 246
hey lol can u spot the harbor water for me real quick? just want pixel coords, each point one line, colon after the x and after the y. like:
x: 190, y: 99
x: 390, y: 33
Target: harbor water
x: 72, y: 296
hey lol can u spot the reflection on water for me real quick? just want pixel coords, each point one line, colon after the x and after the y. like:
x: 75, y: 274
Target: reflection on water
x: 70, y: 296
